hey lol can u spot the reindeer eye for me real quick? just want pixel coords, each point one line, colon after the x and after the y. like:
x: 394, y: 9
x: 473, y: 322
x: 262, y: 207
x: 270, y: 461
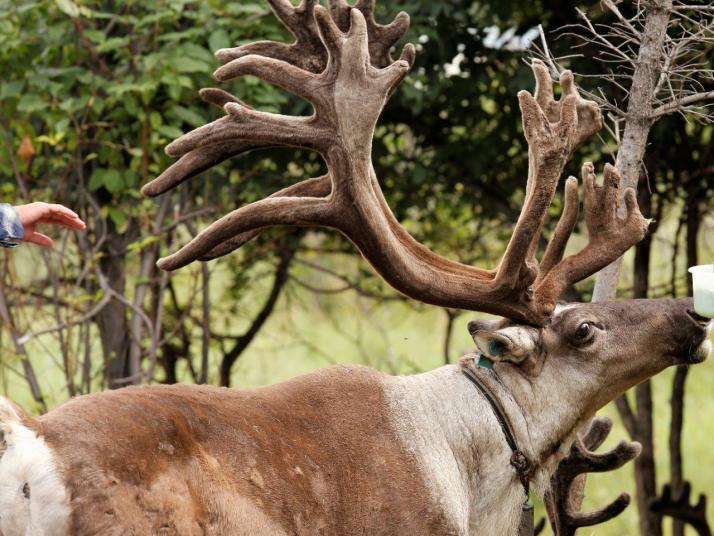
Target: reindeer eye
x: 584, y: 331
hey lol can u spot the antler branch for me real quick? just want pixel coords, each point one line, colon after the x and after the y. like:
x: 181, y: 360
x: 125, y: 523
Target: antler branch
x: 357, y: 77
x: 563, y: 519
x: 680, y: 508
x: 315, y: 187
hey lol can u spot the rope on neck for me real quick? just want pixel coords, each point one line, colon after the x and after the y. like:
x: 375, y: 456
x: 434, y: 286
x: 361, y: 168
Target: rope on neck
x: 520, y: 462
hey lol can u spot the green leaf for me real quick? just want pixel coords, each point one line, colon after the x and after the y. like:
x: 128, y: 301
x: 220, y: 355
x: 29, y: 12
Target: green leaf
x: 188, y: 115
x: 219, y: 39
x: 118, y: 216
x: 190, y: 65
x: 68, y: 7
x: 112, y: 43
x: 169, y: 131
x: 142, y: 243
x: 113, y: 180
x: 62, y: 124
x: 31, y: 103
x: 11, y: 89
x: 96, y: 181
x: 155, y: 120
x: 110, y: 179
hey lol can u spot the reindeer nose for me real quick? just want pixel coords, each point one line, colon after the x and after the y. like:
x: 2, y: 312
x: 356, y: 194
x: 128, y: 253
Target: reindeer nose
x: 702, y: 351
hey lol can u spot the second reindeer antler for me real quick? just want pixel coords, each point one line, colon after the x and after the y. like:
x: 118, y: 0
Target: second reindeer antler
x: 680, y: 508
x: 564, y: 517
x: 348, y: 95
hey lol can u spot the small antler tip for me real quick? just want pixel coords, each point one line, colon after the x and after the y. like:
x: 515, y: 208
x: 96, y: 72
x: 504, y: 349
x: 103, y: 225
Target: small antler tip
x: 148, y: 190
x: 172, y: 149
x: 164, y: 263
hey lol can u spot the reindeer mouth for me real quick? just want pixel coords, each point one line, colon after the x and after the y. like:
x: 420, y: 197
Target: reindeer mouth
x: 704, y: 348
x: 696, y: 340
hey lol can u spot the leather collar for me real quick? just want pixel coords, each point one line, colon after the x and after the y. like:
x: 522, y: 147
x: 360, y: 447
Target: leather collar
x: 520, y: 462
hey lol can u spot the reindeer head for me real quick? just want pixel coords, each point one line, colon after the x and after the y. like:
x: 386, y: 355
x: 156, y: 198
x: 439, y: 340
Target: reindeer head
x: 589, y: 353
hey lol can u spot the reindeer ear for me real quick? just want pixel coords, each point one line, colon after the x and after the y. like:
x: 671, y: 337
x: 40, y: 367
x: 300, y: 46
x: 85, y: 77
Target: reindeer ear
x: 511, y: 343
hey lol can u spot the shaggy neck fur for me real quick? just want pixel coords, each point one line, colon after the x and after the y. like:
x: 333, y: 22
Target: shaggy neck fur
x: 457, y: 439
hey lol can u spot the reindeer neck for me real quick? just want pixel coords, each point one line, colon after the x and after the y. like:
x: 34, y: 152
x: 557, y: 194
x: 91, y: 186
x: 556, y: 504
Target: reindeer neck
x: 458, y: 442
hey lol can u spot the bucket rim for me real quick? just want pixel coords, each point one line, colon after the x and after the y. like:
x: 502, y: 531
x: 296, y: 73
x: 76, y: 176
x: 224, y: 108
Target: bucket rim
x: 702, y: 269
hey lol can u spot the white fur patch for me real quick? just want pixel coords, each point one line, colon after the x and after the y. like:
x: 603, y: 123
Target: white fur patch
x: 33, y: 498
x: 461, y: 451
x: 563, y: 307
x: 705, y: 349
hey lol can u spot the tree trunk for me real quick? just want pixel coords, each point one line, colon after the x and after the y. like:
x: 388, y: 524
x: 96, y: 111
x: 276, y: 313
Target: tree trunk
x: 629, y: 161
x: 645, y: 469
x: 637, y: 126
x: 639, y: 422
x: 287, y: 252
x: 678, y: 385
x: 112, y: 319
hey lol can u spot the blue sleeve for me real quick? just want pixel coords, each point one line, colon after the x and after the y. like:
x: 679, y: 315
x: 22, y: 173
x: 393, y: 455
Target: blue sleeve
x: 11, y: 230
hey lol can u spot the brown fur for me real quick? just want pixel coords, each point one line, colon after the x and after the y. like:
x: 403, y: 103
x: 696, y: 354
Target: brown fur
x: 315, y: 455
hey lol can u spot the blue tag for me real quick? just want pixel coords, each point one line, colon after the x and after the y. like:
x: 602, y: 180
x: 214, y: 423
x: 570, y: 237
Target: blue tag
x: 484, y: 362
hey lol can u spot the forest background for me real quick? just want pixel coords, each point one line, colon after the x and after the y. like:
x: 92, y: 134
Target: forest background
x: 91, y: 92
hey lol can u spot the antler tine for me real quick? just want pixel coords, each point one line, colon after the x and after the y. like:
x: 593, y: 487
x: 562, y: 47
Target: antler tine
x: 681, y: 508
x: 381, y: 37
x: 306, y: 52
x: 609, y: 235
x: 552, y: 129
x: 199, y: 160
x: 297, y: 211
x: 568, y: 219
x: 564, y: 520
x: 315, y: 187
x: 264, y: 128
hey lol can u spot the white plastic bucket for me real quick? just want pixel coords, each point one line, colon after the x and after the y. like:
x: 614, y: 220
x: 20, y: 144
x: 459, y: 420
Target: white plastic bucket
x: 703, y: 282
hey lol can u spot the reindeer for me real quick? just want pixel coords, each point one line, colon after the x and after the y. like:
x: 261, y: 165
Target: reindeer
x: 346, y: 449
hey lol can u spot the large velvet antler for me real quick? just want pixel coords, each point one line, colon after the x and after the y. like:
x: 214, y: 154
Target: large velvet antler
x: 564, y: 518
x: 348, y: 85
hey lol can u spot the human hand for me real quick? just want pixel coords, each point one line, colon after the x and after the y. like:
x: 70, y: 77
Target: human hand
x: 34, y: 214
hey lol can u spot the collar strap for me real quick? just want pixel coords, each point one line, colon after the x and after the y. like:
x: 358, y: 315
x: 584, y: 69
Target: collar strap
x: 519, y: 461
